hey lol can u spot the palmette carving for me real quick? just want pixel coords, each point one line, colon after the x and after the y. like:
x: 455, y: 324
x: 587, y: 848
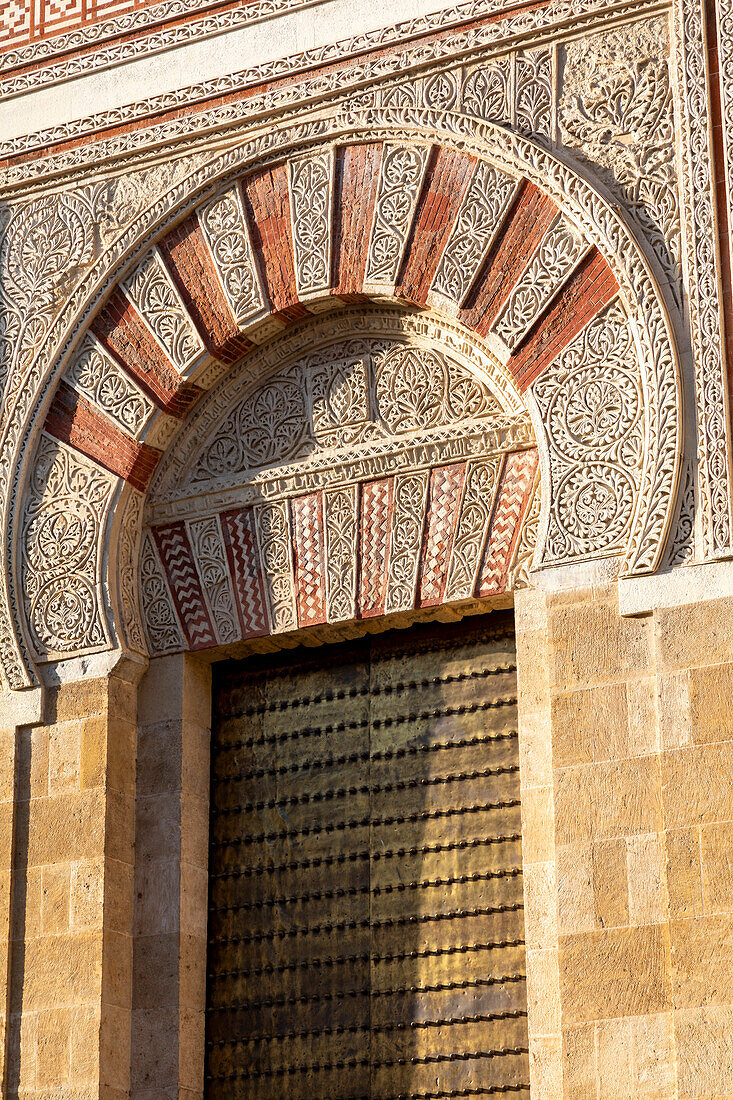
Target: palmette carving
x: 208, y: 550
x: 473, y: 524
x: 400, y: 178
x: 227, y: 235
x: 591, y: 403
x: 63, y: 520
x: 276, y: 554
x: 161, y: 625
x: 486, y: 91
x: 533, y: 92
x: 482, y: 212
x: 310, y: 204
x: 341, y: 527
x: 96, y: 375
x: 152, y: 293
x: 559, y: 252
x: 408, y: 516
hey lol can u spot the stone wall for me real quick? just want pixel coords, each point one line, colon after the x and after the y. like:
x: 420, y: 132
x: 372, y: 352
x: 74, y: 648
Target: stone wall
x: 67, y: 848
x: 626, y: 765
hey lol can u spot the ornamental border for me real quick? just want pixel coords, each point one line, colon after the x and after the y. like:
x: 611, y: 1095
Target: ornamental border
x: 511, y: 31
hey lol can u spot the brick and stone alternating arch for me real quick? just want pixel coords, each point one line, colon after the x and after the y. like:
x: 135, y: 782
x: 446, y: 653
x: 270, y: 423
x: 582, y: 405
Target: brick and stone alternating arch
x: 475, y: 248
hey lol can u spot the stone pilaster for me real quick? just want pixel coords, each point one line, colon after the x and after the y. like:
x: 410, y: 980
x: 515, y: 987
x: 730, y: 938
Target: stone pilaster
x: 171, y: 880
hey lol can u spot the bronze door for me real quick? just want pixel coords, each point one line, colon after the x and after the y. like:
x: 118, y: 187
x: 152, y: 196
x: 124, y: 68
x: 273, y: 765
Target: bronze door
x: 365, y: 913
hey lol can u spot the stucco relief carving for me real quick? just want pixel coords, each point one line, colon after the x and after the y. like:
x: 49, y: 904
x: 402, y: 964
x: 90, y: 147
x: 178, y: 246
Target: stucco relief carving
x: 96, y: 375
x: 353, y: 392
x: 657, y: 348
x: 590, y: 402
x: 616, y: 113
x: 225, y: 229
x: 63, y: 525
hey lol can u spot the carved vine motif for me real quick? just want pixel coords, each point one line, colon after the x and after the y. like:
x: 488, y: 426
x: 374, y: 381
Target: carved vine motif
x: 616, y: 112
x: 351, y: 392
x: 98, y: 377
x: 310, y: 198
x: 225, y: 229
x: 62, y: 526
x: 164, y: 633
x: 591, y: 402
x: 153, y: 294
x: 401, y: 174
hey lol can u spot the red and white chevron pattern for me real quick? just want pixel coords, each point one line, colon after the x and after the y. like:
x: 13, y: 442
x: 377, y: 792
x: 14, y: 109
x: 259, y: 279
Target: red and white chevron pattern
x: 185, y: 585
x: 444, y: 496
x: 371, y: 535
x: 309, y: 558
x: 376, y: 514
x: 244, y: 565
x: 511, y: 503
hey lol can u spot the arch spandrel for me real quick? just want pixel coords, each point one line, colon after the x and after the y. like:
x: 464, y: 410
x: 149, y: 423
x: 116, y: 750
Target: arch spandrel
x: 526, y: 262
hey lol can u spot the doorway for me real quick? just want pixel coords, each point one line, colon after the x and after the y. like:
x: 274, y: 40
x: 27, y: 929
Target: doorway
x: 366, y: 926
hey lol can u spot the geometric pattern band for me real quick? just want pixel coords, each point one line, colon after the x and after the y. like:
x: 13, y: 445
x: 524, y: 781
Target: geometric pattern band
x: 300, y: 565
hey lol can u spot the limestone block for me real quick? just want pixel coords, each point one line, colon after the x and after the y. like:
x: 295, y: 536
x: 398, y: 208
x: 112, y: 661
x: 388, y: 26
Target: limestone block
x: 615, y: 972
x: 653, y: 1056
x: 543, y: 999
x: 64, y: 752
x: 610, y: 884
x: 591, y: 644
x: 643, y: 716
x: 538, y: 825
x: 79, y: 699
x: 115, y: 1048
x: 702, y: 961
x: 675, y: 716
x: 54, y: 1039
x: 535, y: 748
x: 55, y: 890
x: 545, y: 1068
x: 716, y: 843
x: 575, y: 900
x: 84, y: 1045
x: 540, y: 905
x: 93, y: 752
x: 59, y: 970
x: 87, y: 894
x: 696, y: 634
x: 607, y: 800
x: 614, y: 1047
x: 68, y: 827
x: 684, y: 879
x: 579, y: 1062
x: 711, y: 703
x: 697, y: 784
x: 648, y: 901
x: 590, y: 725
x: 698, y: 1033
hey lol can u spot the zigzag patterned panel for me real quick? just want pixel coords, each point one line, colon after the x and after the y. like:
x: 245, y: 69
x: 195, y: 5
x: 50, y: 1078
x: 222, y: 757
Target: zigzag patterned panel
x: 511, y: 503
x: 178, y: 561
x: 392, y: 545
x: 244, y: 565
x: 309, y: 557
x: 444, y: 494
x: 376, y: 517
